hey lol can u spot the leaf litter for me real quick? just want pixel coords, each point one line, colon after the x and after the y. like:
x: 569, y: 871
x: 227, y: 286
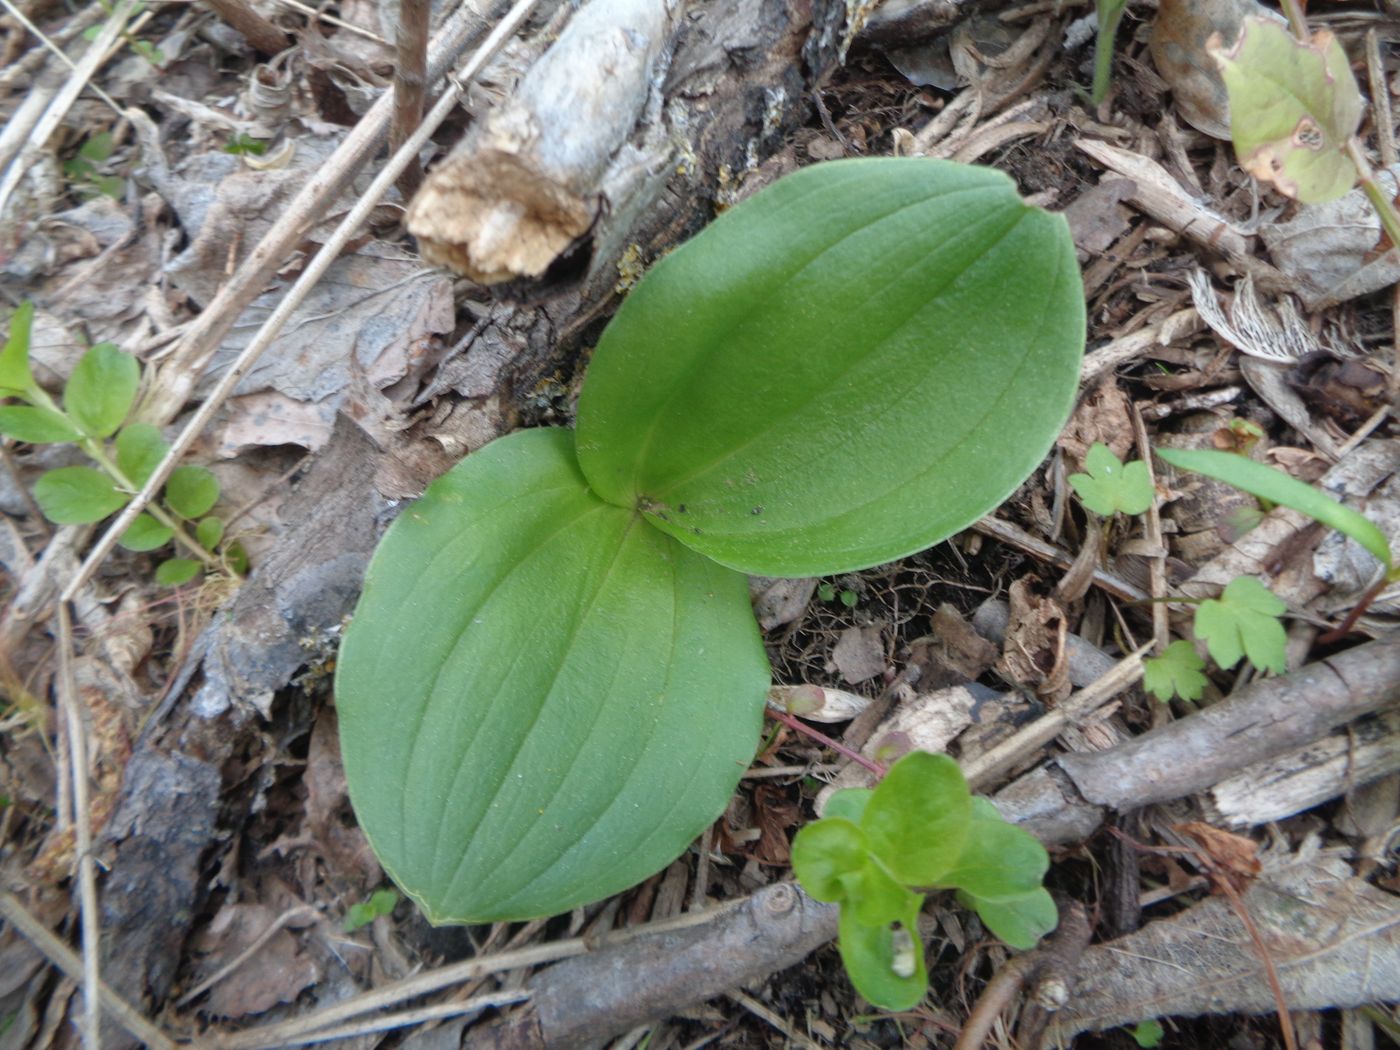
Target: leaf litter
x: 239, y: 701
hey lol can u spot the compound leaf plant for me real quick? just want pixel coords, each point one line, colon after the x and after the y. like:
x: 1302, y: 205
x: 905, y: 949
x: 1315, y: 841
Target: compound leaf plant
x: 553, y: 680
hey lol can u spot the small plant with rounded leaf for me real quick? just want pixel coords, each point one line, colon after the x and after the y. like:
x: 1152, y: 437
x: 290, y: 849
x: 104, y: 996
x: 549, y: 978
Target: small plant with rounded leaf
x: 97, y: 399
x: 554, y: 680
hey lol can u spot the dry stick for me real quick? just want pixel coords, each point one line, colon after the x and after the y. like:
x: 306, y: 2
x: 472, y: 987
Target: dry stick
x: 61, y: 956
x: 1005, y: 532
x: 331, y: 20
x: 987, y: 766
x: 92, y: 58
x: 39, y: 35
x: 410, y: 85
x: 269, y: 254
x: 257, y: 30
x: 403, y: 1019
x: 82, y: 820
x: 446, y: 976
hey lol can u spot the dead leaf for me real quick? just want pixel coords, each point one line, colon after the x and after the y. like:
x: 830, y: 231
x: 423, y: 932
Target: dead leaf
x: 1178, y: 45
x: 277, y: 973
x: 859, y: 654
x: 775, y: 811
x: 1232, y: 857
x: 1102, y: 415
x: 1033, y: 652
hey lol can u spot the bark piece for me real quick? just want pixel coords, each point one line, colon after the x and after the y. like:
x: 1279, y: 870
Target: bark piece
x: 605, y: 993
x: 516, y: 193
x: 1254, y: 724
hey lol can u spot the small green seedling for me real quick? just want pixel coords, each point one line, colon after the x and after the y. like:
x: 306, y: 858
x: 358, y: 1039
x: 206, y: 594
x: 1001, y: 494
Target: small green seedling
x: 1110, y: 486
x: 243, y: 144
x: 150, y: 52
x: 878, y: 851
x: 1243, y: 621
x: 554, y: 680
x: 381, y: 903
x: 84, y: 167
x: 96, y: 402
x: 1177, y: 672
x: 1110, y: 13
x: 1147, y: 1034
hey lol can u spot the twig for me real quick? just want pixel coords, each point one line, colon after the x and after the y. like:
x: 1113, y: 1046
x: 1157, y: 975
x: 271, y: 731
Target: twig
x: 61, y: 956
x: 331, y: 20
x: 272, y: 249
x: 43, y: 38
x: 766, y: 1015
x: 257, y: 30
x: 82, y: 820
x: 410, y: 85
x: 92, y: 58
x: 1005, y: 532
x: 988, y: 765
x: 402, y: 1019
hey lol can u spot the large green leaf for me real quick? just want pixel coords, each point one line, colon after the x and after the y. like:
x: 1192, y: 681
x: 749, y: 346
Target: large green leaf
x: 542, y: 699
x: 855, y: 363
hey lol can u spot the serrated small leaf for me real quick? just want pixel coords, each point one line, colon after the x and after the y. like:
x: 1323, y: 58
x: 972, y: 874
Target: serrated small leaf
x: 885, y: 964
x: 917, y: 819
x: 1109, y: 485
x: 848, y: 367
x: 825, y: 854
x: 77, y: 495
x: 101, y: 390
x: 1244, y: 621
x: 36, y: 425
x: 1278, y: 487
x: 191, y: 491
x: 15, y: 377
x: 1019, y: 921
x: 542, y: 699
x: 1177, y: 672
x: 146, y: 534
x: 140, y: 448
x: 998, y: 860
x: 209, y: 532
x: 1293, y: 108
x: 848, y: 803
x: 176, y: 571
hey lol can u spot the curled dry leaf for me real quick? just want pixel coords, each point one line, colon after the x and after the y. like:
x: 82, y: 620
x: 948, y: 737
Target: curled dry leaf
x: 817, y: 703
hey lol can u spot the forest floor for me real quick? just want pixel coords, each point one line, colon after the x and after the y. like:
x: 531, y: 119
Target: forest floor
x: 208, y: 838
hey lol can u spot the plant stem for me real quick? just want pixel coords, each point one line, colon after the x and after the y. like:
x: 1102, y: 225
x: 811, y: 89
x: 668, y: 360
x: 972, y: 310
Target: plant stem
x: 1297, y: 20
x: 1380, y: 200
x: 98, y: 455
x: 826, y: 741
x: 1109, y: 17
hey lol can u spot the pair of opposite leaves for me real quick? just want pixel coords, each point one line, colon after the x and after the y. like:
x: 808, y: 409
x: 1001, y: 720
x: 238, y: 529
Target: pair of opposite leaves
x: 553, y: 679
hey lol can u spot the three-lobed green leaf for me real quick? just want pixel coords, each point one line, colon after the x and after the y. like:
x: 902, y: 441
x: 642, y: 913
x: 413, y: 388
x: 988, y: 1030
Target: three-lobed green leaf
x: 1294, y: 105
x: 542, y: 699
x: 1177, y: 672
x: 844, y: 369
x: 101, y: 390
x: 1244, y: 621
x: 1109, y: 485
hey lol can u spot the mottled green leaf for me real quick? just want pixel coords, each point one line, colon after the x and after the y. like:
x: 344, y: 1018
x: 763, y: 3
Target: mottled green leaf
x: 1293, y: 107
x: 851, y: 365
x: 542, y: 699
x: 77, y: 495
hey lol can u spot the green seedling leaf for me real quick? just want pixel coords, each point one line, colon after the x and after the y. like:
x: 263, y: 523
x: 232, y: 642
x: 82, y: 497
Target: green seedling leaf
x: 36, y: 425
x: 1147, y: 1034
x: 176, y: 571
x: 1110, y: 13
x: 1110, y: 486
x: 191, y: 491
x: 876, y: 897
x: 849, y: 366
x: 1277, y: 487
x: 1293, y: 108
x: 101, y: 390
x: 245, y: 145
x: 140, y: 448
x: 15, y: 377
x: 848, y: 803
x: 1019, y: 921
x: 209, y: 532
x: 885, y: 962
x: 999, y: 861
x: 381, y: 903
x: 77, y: 495
x: 917, y: 818
x: 542, y: 700
x: 1177, y: 672
x: 1244, y: 621
x: 146, y: 534
x: 826, y: 854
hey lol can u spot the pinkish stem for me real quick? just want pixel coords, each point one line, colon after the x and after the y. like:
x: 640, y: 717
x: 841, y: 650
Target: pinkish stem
x: 841, y: 749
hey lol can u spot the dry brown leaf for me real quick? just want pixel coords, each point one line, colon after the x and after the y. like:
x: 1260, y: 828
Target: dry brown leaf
x: 1102, y: 415
x: 859, y: 654
x: 276, y: 973
x: 1033, y: 653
